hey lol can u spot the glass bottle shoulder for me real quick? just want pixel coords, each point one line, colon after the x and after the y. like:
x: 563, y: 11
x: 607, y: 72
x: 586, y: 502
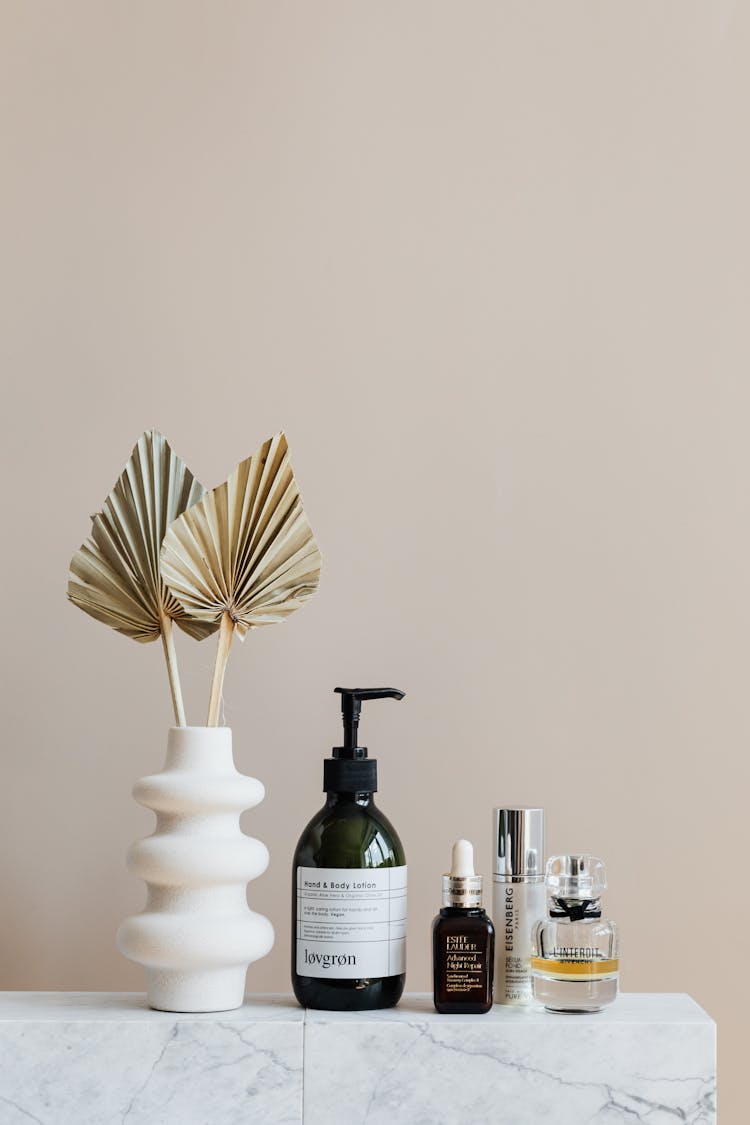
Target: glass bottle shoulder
x: 459, y: 920
x: 349, y: 834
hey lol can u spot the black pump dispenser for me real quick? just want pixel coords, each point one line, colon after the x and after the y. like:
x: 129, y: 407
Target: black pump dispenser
x: 350, y: 770
x: 349, y: 883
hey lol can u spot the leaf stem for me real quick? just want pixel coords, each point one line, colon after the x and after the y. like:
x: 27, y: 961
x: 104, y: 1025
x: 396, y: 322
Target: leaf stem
x: 226, y: 631
x: 170, y: 655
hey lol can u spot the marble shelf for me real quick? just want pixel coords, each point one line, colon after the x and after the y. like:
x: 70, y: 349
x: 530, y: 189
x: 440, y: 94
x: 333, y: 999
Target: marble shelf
x: 104, y: 1058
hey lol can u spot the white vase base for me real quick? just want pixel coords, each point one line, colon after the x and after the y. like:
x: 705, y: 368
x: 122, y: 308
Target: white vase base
x: 196, y: 935
x: 207, y: 990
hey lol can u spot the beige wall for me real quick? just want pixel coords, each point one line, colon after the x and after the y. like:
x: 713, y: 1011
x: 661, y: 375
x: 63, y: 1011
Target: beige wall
x: 487, y: 263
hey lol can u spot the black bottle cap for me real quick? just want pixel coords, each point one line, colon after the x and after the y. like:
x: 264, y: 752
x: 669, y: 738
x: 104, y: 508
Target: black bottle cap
x: 350, y: 770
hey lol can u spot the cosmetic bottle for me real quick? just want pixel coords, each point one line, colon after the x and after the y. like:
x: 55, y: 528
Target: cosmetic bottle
x: 518, y: 899
x: 349, y: 885
x: 463, y: 940
x: 575, y: 962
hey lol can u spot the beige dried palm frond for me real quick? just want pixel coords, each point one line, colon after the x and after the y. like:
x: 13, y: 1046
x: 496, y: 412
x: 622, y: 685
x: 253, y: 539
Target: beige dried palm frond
x: 114, y: 575
x: 245, y: 555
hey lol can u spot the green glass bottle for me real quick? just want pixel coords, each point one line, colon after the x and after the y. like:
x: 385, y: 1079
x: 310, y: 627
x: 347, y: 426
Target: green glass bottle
x: 349, y: 885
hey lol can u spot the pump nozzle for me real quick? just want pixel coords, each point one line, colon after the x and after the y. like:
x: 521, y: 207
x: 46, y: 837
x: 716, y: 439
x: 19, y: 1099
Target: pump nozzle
x: 351, y: 704
x: 350, y: 770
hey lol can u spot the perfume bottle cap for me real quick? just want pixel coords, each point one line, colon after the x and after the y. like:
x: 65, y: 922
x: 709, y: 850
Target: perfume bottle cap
x: 461, y: 886
x: 519, y: 843
x: 579, y: 877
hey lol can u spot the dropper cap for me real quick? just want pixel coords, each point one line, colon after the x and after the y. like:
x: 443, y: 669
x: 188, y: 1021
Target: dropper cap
x: 462, y: 887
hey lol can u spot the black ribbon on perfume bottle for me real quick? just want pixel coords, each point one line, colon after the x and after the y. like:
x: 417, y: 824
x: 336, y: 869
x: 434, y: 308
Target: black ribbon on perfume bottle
x: 576, y: 911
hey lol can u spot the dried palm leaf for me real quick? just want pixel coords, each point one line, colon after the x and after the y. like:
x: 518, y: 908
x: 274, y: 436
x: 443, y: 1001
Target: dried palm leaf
x: 114, y: 575
x: 245, y: 555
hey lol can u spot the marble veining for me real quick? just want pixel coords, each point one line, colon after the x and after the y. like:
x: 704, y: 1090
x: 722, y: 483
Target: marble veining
x: 647, y: 1058
x: 105, y: 1059
x: 151, y: 1068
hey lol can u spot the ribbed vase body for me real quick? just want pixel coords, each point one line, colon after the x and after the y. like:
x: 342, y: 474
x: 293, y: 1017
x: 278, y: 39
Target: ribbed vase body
x: 196, y: 935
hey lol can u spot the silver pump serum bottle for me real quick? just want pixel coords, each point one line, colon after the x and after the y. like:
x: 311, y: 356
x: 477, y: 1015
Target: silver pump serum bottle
x: 518, y: 899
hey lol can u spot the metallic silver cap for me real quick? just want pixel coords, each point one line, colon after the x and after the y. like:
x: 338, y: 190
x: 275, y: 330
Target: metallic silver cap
x: 462, y: 890
x: 519, y: 843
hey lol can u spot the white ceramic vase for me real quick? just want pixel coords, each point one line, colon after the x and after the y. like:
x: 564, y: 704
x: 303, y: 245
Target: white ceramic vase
x: 196, y: 935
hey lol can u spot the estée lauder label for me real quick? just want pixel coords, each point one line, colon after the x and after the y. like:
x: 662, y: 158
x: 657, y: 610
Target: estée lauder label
x: 351, y: 922
x: 464, y: 965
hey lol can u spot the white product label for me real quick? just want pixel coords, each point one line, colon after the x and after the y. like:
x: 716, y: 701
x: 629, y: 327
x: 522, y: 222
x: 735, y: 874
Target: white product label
x: 351, y: 922
x: 515, y: 909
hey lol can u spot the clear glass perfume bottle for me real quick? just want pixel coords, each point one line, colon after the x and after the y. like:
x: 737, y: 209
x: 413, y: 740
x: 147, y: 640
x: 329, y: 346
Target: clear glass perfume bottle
x: 575, y: 952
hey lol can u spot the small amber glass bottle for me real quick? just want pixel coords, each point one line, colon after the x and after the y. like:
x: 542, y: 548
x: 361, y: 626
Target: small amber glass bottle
x: 463, y: 940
